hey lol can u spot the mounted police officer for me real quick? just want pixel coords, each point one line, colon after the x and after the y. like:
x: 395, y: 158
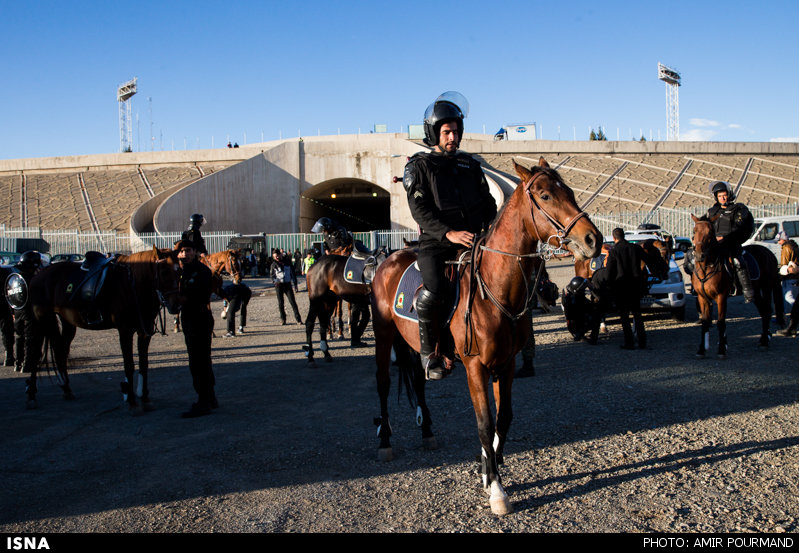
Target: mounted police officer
x: 28, y: 338
x: 337, y: 238
x: 192, y: 234
x: 734, y: 225
x: 449, y: 198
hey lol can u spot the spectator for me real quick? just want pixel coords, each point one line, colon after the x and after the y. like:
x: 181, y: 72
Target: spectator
x: 307, y: 262
x: 281, y: 276
x: 627, y: 283
x: 237, y: 297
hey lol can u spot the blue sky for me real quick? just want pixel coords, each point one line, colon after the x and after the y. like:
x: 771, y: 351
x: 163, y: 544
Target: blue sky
x: 212, y: 71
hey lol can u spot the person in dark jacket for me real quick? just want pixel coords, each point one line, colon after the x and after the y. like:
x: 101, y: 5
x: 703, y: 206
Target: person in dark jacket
x: 627, y: 280
x: 237, y: 297
x: 734, y: 224
x: 449, y: 198
x: 198, y: 326
x: 6, y: 323
x: 281, y: 276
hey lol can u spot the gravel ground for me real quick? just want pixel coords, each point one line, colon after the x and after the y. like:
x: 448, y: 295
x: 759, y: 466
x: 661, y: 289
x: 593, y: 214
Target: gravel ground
x: 603, y: 439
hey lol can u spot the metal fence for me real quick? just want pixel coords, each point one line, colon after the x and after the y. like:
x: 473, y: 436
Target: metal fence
x: 677, y: 221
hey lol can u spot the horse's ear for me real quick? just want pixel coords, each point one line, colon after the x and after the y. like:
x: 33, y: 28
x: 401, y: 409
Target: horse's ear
x: 523, y: 172
x: 695, y: 218
x: 157, y: 252
x: 543, y: 163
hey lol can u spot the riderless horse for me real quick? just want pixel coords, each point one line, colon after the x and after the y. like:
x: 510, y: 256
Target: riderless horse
x: 125, y: 293
x: 713, y: 281
x: 329, y: 284
x: 489, y: 326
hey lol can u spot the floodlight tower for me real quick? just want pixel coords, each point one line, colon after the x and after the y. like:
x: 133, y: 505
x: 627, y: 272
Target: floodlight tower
x: 672, y: 80
x: 124, y: 93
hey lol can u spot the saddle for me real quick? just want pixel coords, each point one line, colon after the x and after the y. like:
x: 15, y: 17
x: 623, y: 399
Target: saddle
x: 410, y: 285
x: 85, y: 288
x: 361, y: 264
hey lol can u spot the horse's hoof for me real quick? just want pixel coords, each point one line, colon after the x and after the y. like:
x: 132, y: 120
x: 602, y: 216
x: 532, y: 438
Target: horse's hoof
x: 385, y: 454
x: 722, y: 356
x: 430, y: 444
x: 329, y: 358
x: 31, y: 404
x: 69, y: 396
x: 341, y: 338
x: 700, y: 355
x: 500, y: 505
x: 135, y: 410
x: 311, y: 363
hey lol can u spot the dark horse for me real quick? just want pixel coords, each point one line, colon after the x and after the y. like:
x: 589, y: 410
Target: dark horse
x: 327, y: 288
x: 713, y: 282
x: 489, y: 325
x: 134, y: 288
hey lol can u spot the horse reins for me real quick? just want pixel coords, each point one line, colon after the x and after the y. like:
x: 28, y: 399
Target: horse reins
x: 477, y: 279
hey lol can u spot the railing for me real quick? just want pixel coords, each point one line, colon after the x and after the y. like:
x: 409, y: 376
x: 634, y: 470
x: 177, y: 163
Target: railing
x: 677, y: 221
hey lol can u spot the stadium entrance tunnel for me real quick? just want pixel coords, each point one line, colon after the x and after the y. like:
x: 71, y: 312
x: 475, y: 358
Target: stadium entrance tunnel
x: 357, y: 204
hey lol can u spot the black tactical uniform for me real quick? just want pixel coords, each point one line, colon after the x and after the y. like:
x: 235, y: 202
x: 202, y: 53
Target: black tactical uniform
x: 192, y: 234
x: 29, y: 339
x: 336, y: 236
x: 198, y: 325
x: 447, y: 191
x: 734, y: 225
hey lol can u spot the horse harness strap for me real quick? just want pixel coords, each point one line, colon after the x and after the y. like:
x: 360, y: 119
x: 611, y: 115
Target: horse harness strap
x: 563, y: 230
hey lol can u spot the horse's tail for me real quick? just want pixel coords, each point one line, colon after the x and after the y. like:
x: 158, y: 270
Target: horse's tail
x: 407, y: 361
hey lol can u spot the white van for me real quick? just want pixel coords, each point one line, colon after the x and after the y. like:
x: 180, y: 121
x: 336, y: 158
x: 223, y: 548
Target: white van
x: 766, y: 229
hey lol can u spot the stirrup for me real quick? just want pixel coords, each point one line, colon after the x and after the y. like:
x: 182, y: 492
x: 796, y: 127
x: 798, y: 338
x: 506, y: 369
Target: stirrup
x: 434, y: 368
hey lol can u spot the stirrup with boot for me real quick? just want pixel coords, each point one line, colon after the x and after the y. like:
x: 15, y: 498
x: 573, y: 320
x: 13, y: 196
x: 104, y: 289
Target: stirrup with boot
x: 742, y: 272
x: 427, y: 306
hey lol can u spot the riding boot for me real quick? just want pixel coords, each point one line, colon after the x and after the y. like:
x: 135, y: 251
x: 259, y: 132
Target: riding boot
x: 427, y: 309
x: 742, y: 272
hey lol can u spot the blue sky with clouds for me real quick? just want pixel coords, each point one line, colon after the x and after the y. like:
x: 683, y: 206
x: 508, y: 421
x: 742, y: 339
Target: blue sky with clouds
x: 209, y: 72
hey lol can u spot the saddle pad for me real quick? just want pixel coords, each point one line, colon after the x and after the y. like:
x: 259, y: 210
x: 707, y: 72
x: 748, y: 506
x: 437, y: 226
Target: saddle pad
x: 752, y: 265
x: 410, y: 282
x: 353, y: 270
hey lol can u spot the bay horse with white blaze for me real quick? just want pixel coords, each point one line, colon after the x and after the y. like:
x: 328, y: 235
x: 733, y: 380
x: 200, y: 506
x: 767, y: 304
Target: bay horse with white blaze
x: 489, y: 325
x: 124, y: 293
x: 713, y: 282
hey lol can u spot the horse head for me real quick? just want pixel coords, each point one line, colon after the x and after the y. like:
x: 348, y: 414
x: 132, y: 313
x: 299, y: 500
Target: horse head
x: 704, y: 238
x: 233, y: 265
x: 554, y: 216
x: 167, y: 279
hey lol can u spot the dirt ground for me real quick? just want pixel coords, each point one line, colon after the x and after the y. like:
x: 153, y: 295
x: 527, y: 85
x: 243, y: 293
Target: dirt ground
x: 603, y: 439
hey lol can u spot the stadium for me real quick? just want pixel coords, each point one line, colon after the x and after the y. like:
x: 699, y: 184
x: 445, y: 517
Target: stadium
x: 129, y: 201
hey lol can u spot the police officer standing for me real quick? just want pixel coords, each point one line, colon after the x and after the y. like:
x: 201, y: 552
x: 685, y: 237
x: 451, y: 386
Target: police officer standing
x: 734, y: 225
x: 28, y: 337
x: 449, y: 198
x: 627, y: 284
x: 198, y: 325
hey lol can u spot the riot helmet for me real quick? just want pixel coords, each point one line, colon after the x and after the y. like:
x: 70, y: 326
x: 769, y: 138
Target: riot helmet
x: 721, y: 186
x: 576, y: 284
x: 323, y: 224
x: 196, y: 220
x: 30, y: 261
x: 449, y: 106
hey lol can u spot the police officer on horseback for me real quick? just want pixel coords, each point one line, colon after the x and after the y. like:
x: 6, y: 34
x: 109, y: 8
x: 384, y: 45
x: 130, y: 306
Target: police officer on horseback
x: 337, y: 238
x: 449, y: 198
x: 734, y: 225
x: 192, y: 234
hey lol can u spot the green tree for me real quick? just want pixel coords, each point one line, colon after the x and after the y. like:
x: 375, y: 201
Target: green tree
x: 597, y: 135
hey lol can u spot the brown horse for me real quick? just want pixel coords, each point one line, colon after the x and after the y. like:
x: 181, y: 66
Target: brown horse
x: 133, y: 290
x: 489, y: 325
x: 713, y: 282
x: 327, y: 288
x: 227, y: 261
